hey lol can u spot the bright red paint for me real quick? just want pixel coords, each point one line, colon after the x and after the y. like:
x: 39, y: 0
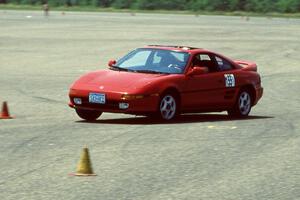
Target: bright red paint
x: 198, y: 90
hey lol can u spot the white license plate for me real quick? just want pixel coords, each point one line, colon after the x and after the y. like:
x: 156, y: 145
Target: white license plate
x: 97, y: 98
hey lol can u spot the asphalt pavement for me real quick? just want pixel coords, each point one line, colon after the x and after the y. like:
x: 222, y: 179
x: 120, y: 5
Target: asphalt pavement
x: 199, y: 156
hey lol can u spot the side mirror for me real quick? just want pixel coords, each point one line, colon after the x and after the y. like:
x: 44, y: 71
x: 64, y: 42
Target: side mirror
x: 197, y: 70
x: 111, y: 63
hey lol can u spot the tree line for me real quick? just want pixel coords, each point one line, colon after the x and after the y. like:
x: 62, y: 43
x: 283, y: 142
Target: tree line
x: 288, y: 6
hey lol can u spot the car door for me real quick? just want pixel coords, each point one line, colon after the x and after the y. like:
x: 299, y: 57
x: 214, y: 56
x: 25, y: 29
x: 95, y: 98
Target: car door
x: 230, y: 76
x: 204, y: 91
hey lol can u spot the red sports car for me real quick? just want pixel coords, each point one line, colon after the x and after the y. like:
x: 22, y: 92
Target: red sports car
x: 168, y: 80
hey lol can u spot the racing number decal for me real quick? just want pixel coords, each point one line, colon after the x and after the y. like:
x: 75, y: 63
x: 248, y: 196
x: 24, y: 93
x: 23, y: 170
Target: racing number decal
x: 229, y: 80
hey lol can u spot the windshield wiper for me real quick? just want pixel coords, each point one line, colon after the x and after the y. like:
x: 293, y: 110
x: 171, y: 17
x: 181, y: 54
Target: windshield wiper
x: 150, y: 71
x: 119, y: 68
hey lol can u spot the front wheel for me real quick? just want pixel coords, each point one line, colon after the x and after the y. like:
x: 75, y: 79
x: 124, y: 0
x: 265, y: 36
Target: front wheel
x: 168, y: 107
x: 242, y: 106
x: 89, y: 115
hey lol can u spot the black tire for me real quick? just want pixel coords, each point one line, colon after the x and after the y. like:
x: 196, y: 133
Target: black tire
x: 168, y: 107
x: 89, y: 115
x: 242, y: 105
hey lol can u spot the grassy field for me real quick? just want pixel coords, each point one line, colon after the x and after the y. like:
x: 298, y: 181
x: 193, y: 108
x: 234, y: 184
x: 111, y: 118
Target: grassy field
x: 205, y: 156
x: 93, y: 9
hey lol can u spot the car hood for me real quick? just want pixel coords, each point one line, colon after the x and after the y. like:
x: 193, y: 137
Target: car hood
x: 115, y: 81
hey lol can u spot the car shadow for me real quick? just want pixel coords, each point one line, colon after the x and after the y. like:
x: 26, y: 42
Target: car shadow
x: 182, y: 119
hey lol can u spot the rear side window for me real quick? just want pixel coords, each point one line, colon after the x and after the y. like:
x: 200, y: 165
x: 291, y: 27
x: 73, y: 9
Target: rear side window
x: 223, y: 65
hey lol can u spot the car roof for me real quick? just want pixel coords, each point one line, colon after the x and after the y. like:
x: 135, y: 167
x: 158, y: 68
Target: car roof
x: 177, y: 48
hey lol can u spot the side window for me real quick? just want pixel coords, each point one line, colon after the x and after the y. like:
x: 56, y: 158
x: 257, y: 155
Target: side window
x: 204, y: 60
x: 223, y: 65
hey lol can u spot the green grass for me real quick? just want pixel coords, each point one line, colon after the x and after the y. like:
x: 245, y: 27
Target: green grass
x: 95, y: 9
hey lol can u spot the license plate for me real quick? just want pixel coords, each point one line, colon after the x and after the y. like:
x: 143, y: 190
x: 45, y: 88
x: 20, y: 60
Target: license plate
x: 97, y: 98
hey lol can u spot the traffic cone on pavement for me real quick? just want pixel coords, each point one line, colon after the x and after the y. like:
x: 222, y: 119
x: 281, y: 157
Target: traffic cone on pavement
x: 5, y: 113
x: 84, y: 167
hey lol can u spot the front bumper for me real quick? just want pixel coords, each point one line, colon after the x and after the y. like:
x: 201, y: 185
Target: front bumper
x: 147, y: 104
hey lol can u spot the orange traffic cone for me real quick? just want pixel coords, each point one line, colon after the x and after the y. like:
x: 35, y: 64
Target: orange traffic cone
x: 5, y: 113
x: 84, y: 167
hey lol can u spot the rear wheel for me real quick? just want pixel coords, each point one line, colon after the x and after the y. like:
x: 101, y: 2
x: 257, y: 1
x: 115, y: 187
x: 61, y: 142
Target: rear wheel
x: 242, y: 106
x: 89, y: 115
x: 168, y: 107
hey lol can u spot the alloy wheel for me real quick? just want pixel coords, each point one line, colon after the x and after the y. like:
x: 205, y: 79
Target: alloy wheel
x: 168, y: 107
x: 244, y: 103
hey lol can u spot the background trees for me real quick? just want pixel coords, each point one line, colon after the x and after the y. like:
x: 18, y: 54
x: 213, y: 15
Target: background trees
x: 290, y: 6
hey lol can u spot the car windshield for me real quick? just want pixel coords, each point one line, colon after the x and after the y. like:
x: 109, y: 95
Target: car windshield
x: 147, y: 60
